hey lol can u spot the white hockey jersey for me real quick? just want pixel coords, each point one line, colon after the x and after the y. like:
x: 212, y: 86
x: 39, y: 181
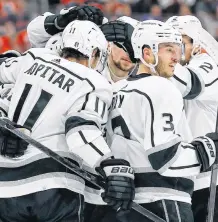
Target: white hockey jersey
x: 143, y: 124
x: 189, y: 83
x: 202, y: 111
x: 36, y: 32
x: 66, y: 106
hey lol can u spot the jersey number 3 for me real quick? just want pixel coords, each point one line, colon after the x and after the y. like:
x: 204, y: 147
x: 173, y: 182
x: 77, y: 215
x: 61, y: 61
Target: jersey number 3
x: 169, y: 126
x: 38, y: 108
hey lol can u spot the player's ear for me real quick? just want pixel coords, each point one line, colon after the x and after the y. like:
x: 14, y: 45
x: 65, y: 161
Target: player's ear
x: 96, y: 53
x: 147, y: 54
x: 95, y: 58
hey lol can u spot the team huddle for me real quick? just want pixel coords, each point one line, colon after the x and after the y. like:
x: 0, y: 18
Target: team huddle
x: 134, y: 104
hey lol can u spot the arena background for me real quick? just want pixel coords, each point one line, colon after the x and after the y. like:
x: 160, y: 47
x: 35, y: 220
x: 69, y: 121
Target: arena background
x: 15, y: 14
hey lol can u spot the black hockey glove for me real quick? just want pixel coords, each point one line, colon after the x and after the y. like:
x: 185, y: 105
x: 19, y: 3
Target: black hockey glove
x: 119, y: 179
x: 207, y: 150
x: 120, y: 34
x: 10, y: 54
x: 10, y: 144
x: 57, y: 23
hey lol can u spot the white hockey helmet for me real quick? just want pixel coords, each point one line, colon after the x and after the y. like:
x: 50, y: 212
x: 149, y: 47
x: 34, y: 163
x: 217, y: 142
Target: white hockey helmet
x: 152, y: 33
x: 66, y: 10
x: 85, y: 37
x: 55, y: 43
x: 188, y: 25
x: 129, y: 20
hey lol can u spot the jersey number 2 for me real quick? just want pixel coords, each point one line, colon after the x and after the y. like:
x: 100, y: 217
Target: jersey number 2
x: 38, y: 108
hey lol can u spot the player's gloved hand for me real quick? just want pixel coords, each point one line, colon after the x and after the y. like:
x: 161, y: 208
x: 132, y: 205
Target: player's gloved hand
x: 207, y: 149
x: 83, y: 12
x: 10, y: 144
x: 120, y: 34
x: 119, y: 178
x: 10, y: 54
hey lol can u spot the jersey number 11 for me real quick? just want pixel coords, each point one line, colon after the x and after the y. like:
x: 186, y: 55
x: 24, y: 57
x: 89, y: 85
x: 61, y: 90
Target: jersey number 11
x: 38, y: 108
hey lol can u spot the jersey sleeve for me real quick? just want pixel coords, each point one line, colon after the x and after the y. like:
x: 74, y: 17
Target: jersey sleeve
x: 6, y: 91
x: 167, y: 154
x: 36, y: 32
x: 10, y: 69
x: 205, y: 67
x: 183, y: 128
x: 188, y: 82
x: 85, y: 123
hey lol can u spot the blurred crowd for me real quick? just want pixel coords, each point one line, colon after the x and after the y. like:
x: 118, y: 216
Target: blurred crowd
x: 15, y: 14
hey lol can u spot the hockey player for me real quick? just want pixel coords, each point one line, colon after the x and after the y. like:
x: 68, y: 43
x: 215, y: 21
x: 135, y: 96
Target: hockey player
x: 120, y: 64
x: 64, y: 102
x: 144, y: 118
x: 201, y: 112
x: 190, y: 84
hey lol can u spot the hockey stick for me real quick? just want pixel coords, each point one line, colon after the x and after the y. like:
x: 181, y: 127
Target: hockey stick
x: 212, y: 197
x: 213, y: 181
x: 8, y: 125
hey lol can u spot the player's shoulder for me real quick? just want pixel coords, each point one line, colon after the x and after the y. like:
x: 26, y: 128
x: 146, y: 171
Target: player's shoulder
x: 155, y: 87
x: 40, y: 52
x: 98, y: 80
x: 146, y: 83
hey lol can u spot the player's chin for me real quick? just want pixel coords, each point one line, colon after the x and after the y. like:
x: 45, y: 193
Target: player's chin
x: 127, y: 65
x: 171, y: 70
x: 169, y: 73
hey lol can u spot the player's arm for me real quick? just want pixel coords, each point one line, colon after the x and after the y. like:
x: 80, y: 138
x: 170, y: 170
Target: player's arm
x: 206, y: 69
x: 37, y: 34
x: 84, y: 132
x: 183, y: 128
x: 10, y: 145
x: 6, y: 91
x: 11, y: 68
x: 83, y: 128
x: 43, y: 27
x: 188, y: 81
x: 168, y: 154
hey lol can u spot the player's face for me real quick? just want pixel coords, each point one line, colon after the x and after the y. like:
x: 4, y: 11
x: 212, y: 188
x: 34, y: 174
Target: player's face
x: 120, y: 58
x: 188, y: 49
x: 168, y: 56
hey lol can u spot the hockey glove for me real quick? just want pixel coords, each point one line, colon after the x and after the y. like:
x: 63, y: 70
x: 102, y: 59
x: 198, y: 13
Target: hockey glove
x: 207, y: 149
x: 10, y: 144
x: 119, y: 179
x: 56, y: 23
x: 10, y: 54
x: 120, y: 34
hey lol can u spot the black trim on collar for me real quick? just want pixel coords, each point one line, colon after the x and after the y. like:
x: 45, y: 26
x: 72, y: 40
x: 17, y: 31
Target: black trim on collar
x: 136, y: 77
